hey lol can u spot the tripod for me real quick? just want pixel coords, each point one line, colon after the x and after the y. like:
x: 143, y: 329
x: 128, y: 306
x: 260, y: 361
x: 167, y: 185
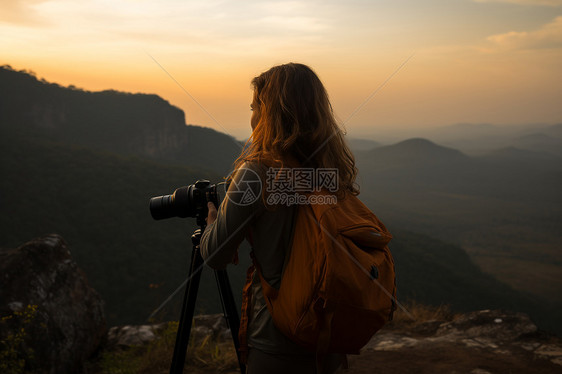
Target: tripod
x: 188, y: 307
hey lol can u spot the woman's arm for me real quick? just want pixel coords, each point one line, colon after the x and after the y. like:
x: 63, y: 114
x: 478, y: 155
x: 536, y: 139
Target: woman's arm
x: 227, y: 227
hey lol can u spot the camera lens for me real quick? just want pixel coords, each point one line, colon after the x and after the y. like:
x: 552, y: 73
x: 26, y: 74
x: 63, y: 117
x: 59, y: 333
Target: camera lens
x: 190, y: 201
x: 161, y: 207
x: 175, y: 205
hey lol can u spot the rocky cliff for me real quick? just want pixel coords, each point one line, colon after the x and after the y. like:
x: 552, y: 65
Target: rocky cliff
x: 144, y: 125
x: 52, y: 320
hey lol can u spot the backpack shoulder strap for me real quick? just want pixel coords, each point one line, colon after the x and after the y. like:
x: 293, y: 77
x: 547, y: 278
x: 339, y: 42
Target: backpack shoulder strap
x: 269, y: 292
x: 246, y: 304
x: 290, y: 246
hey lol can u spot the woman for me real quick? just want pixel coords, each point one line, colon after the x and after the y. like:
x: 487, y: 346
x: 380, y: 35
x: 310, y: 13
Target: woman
x: 293, y: 127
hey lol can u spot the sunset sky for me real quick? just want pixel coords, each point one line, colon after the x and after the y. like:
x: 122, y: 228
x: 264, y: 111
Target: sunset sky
x: 475, y: 61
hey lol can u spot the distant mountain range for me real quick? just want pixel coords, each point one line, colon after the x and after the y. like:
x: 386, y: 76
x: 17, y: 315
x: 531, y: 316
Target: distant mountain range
x: 504, y: 208
x: 479, y: 139
x: 520, y: 174
x: 416, y: 151
x: 99, y: 201
x: 84, y: 164
x: 357, y: 144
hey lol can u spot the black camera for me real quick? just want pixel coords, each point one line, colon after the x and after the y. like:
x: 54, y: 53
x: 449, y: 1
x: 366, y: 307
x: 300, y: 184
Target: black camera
x: 189, y: 201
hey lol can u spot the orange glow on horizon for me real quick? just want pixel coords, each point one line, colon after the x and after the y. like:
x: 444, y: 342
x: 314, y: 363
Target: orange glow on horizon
x: 504, y: 71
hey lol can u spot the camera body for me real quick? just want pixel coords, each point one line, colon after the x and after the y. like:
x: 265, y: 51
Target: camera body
x: 188, y: 201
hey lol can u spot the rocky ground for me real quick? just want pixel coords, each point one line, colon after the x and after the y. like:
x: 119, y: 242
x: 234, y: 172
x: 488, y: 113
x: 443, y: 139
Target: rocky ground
x: 482, y: 342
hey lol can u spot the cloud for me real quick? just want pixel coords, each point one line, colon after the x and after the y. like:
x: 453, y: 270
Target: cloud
x: 548, y: 36
x: 20, y: 12
x: 201, y: 24
x: 525, y: 2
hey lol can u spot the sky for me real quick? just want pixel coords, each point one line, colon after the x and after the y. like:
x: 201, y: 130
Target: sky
x: 387, y: 65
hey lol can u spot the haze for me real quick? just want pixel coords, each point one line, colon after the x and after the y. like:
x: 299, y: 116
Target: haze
x: 472, y: 61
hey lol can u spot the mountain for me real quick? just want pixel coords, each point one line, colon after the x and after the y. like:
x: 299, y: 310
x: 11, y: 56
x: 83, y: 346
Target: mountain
x: 554, y: 130
x: 357, y: 144
x: 411, y: 165
x: 132, y: 124
x: 467, y: 132
x: 99, y: 203
x: 416, y: 151
x: 480, y: 139
x: 505, y: 208
x: 77, y: 164
x: 514, y: 155
x: 443, y: 274
x: 415, y: 166
x: 540, y: 142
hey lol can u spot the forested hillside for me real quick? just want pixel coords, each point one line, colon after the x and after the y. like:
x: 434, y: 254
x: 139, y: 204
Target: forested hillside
x: 504, y: 208
x: 86, y: 175
x: 140, y: 124
x: 99, y: 203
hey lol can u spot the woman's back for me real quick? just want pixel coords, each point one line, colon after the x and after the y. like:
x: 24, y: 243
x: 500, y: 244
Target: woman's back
x: 293, y: 127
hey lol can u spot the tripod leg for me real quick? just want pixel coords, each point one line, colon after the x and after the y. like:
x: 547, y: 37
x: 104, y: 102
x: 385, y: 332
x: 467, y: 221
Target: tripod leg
x: 230, y: 311
x: 188, y: 308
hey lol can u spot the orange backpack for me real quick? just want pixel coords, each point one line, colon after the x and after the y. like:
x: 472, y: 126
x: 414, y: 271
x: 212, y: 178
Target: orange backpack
x: 338, y: 286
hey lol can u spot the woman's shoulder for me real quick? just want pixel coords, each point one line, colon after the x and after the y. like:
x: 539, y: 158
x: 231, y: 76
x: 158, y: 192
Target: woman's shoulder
x: 253, y: 165
x: 250, y: 170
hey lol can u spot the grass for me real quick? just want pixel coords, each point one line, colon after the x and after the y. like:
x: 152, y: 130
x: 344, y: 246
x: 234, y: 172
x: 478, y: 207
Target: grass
x: 419, y: 313
x: 204, y: 355
x: 209, y: 354
x: 14, y: 352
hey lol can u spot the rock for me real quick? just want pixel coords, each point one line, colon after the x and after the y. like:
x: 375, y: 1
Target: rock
x: 127, y: 336
x: 47, y: 303
x: 204, y: 325
x: 480, y: 371
x: 482, y: 342
x: 428, y: 327
x: 487, y: 341
x: 499, y: 325
x: 212, y: 324
x: 551, y: 352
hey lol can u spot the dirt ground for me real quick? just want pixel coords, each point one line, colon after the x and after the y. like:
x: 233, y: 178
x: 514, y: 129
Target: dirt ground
x: 450, y: 359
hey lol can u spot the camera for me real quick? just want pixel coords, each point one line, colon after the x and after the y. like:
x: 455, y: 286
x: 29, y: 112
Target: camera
x: 188, y: 201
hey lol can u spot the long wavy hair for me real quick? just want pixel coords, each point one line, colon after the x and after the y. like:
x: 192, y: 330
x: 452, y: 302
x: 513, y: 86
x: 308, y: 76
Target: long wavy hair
x: 295, y: 125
